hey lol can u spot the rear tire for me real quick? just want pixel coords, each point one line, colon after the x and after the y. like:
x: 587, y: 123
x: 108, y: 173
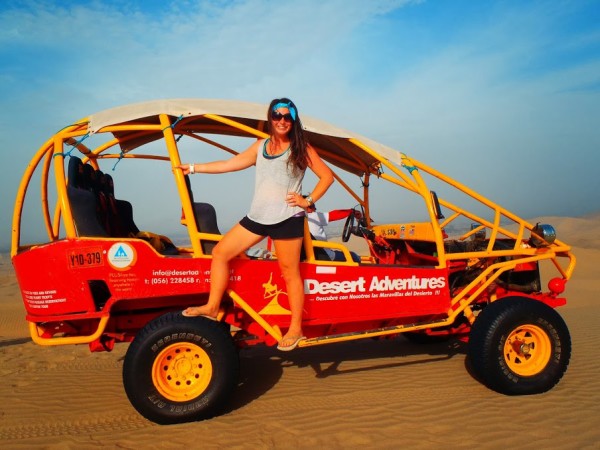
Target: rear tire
x: 180, y: 369
x: 519, y: 346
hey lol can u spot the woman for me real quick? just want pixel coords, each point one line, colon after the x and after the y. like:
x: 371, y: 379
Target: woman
x: 277, y: 209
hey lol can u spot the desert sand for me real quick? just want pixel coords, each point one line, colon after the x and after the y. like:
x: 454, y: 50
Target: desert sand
x: 364, y: 394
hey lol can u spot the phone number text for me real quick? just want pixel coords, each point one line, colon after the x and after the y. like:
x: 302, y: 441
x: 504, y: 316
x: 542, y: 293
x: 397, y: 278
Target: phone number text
x: 174, y: 280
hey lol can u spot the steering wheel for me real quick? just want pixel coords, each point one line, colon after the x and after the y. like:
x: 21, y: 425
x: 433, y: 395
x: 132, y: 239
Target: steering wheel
x: 348, y: 227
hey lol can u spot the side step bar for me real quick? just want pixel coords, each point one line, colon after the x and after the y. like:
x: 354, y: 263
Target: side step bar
x: 386, y: 331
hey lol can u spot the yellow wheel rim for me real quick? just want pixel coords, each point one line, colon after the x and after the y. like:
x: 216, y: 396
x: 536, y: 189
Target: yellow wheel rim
x: 527, y: 350
x: 182, y: 372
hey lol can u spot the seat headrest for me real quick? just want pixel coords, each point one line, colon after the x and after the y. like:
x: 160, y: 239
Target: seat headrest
x: 109, y: 185
x: 89, y: 178
x: 100, y: 182
x: 75, y: 172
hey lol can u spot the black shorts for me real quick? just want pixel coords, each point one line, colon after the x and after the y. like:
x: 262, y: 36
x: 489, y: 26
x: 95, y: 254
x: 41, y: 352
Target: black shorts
x: 288, y: 229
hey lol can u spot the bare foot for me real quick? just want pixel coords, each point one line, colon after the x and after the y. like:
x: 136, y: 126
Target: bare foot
x: 290, y: 341
x: 204, y: 310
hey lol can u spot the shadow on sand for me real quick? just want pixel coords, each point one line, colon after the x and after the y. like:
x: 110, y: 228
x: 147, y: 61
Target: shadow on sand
x: 261, y: 367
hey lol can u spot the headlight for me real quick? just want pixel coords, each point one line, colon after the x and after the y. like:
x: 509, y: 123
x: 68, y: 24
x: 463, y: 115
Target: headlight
x: 546, y: 232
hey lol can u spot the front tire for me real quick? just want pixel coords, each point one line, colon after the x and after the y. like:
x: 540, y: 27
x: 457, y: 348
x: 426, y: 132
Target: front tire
x: 519, y: 346
x: 180, y: 369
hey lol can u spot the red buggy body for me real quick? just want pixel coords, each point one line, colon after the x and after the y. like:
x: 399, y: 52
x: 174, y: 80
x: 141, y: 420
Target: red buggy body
x: 98, y: 280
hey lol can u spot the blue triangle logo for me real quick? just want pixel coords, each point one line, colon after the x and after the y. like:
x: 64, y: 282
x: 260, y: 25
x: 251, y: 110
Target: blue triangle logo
x: 120, y: 253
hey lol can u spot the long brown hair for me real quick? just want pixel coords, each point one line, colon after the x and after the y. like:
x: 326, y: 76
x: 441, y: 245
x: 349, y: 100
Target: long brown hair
x: 298, y: 160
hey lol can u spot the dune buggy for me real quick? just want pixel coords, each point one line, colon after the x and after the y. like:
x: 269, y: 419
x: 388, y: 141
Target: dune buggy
x: 466, y: 268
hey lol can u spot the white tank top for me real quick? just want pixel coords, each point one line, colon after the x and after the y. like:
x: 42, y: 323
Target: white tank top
x: 272, y: 184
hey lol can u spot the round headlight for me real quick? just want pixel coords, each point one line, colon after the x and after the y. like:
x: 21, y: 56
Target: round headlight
x: 546, y: 232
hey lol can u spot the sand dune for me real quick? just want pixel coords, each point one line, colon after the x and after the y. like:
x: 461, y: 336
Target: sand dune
x: 368, y: 394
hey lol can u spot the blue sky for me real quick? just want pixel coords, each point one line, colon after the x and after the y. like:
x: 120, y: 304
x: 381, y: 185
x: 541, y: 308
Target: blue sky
x: 502, y: 95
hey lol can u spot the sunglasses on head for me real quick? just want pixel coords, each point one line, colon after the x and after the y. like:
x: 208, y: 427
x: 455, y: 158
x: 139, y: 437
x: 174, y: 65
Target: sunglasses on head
x: 276, y: 117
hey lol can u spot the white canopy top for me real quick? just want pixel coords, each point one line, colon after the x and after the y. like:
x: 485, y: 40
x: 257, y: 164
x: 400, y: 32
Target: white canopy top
x: 325, y: 137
